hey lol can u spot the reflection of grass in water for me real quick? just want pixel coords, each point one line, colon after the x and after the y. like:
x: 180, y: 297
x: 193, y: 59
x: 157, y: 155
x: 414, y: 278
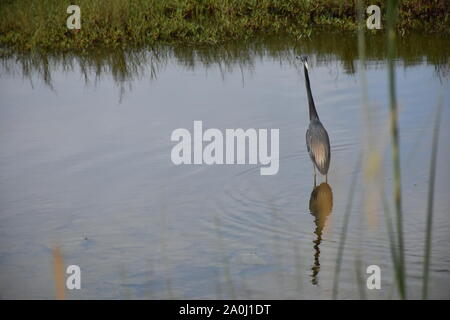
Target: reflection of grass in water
x: 226, y: 266
x: 127, y: 65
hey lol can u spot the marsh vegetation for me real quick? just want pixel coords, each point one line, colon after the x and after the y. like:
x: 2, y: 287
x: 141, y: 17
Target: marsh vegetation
x: 29, y: 24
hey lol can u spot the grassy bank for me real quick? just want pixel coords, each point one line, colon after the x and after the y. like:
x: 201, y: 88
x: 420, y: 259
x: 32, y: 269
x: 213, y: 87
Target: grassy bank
x: 41, y: 24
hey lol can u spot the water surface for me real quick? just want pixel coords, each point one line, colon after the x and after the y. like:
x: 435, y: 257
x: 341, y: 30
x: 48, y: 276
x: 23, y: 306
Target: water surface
x: 85, y: 165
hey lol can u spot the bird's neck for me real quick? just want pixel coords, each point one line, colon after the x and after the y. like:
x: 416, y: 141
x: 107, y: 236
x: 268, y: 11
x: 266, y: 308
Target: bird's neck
x: 312, y: 108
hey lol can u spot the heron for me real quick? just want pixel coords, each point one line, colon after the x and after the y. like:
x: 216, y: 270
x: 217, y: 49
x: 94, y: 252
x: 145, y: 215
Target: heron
x: 317, y: 141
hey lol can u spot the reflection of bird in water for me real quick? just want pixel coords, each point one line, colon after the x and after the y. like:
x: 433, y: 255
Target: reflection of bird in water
x: 320, y: 205
x: 317, y: 141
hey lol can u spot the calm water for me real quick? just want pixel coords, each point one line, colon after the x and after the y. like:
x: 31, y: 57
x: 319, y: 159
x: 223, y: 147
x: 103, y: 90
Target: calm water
x: 85, y: 165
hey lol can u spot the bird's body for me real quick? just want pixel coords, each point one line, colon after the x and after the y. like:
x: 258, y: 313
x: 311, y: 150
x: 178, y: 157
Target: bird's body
x: 317, y: 141
x: 318, y: 145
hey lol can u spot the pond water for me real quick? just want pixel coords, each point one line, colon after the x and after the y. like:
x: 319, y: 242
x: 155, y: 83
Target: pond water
x: 85, y: 167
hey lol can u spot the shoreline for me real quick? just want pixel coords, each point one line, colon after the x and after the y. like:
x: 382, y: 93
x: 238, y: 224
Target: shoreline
x: 27, y: 25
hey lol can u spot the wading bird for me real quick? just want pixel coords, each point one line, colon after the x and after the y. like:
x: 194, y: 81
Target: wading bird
x: 317, y: 140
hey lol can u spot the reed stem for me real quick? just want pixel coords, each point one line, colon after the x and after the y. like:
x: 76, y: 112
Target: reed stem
x: 391, y: 38
x: 427, y: 253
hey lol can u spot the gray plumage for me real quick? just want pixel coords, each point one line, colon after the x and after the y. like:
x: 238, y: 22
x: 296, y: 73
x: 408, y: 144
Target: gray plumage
x: 318, y: 145
x: 317, y: 141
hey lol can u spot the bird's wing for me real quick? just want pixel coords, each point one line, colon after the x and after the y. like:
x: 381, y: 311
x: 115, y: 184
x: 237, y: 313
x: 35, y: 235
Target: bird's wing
x: 308, y: 141
x: 318, y: 145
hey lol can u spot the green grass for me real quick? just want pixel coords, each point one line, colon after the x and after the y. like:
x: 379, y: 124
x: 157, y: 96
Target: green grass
x: 343, y: 233
x: 430, y: 203
x: 396, y: 237
x: 41, y: 24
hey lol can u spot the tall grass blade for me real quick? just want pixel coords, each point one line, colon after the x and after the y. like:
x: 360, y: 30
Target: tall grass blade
x: 360, y: 279
x: 427, y: 253
x: 343, y: 235
x: 226, y: 265
x: 391, y: 38
x: 58, y: 273
x: 391, y: 236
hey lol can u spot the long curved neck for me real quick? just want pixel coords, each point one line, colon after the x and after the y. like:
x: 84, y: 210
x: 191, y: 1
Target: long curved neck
x: 312, y: 108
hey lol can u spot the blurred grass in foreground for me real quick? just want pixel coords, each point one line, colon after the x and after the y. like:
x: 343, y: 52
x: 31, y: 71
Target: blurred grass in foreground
x: 373, y: 183
x: 429, y: 224
x: 58, y: 273
x: 395, y: 146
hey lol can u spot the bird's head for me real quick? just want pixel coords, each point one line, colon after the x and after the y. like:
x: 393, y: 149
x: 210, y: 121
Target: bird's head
x: 304, y: 60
